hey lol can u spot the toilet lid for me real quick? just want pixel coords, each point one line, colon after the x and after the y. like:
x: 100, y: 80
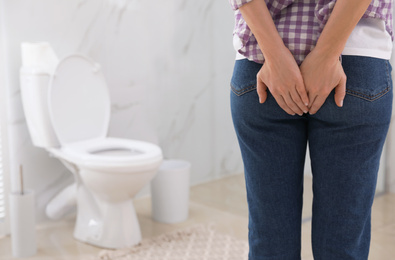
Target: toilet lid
x: 79, y: 102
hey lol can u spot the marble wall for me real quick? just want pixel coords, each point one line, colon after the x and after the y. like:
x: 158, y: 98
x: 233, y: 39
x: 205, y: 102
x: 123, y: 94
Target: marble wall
x: 167, y: 64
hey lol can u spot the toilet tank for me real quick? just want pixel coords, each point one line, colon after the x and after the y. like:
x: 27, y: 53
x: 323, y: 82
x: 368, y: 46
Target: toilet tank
x: 38, y: 64
x: 34, y: 83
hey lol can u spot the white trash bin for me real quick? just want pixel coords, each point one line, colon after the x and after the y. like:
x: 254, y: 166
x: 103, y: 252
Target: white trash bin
x: 170, y: 192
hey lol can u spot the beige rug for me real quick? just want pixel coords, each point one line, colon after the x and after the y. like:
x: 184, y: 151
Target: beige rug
x: 200, y: 242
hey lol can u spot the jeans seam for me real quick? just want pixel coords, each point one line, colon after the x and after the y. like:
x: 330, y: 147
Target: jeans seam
x: 242, y: 91
x: 368, y: 97
x: 388, y: 73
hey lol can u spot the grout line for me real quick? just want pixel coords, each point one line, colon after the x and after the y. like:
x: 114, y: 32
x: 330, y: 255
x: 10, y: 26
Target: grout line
x: 379, y: 194
x: 306, y: 219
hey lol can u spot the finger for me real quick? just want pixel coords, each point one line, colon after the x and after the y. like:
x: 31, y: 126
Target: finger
x: 261, y: 88
x: 298, y: 101
x: 340, y: 91
x: 280, y: 101
x: 301, y: 89
x: 318, y: 102
x: 312, y: 97
x: 292, y: 105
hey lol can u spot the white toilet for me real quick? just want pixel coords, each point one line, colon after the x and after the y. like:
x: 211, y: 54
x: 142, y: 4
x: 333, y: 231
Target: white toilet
x: 67, y: 111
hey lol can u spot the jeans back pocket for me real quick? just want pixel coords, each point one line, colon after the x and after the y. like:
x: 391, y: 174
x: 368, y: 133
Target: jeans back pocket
x: 244, y: 76
x: 367, y: 78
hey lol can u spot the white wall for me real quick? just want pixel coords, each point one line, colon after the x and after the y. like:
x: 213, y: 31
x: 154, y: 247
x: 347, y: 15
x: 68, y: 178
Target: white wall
x: 167, y: 64
x: 4, y: 221
x: 390, y: 145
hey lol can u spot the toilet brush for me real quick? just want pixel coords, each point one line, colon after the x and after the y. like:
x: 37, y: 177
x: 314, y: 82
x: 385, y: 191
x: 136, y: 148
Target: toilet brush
x: 22, y: 216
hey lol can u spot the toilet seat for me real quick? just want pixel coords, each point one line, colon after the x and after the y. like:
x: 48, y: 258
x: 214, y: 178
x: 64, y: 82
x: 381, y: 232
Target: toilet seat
x: 79, y: 107
x: 113, y: 152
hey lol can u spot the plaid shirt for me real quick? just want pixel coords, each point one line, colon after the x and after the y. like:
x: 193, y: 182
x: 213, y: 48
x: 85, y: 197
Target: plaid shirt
x: 299, y: 23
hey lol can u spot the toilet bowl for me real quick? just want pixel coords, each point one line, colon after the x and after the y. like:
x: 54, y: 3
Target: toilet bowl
x: 109, y: 173
x: 68, y: 113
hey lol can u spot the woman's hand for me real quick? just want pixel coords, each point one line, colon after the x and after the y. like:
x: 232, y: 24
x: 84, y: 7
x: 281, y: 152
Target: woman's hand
x: 279, y: 73
x: 282, y: 76
x: 321, y: 74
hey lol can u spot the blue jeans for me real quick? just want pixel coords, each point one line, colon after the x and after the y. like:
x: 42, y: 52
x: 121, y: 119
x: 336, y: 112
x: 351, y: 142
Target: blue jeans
x: 345, y: 148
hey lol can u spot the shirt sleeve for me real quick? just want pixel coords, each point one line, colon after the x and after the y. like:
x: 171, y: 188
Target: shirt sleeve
x: 236, y: 4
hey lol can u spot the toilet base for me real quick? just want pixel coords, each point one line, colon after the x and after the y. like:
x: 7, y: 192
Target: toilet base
x: 107, y: 225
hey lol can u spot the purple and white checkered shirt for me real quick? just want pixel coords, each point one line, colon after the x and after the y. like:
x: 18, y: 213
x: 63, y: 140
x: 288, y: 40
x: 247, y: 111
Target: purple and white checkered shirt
x: 299, y: 23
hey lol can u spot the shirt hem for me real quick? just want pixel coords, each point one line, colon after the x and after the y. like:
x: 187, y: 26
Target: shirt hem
x: 374, y: 53
x: 240, y: 56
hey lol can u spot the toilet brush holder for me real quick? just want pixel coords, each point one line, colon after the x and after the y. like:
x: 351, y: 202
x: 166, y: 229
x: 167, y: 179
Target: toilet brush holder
x: 22, y: 216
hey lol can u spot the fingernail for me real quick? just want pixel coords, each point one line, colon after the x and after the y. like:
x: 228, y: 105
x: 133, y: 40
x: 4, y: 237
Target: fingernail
x: 260, y: 100
x: 341, y: 103
x: 305, y: 112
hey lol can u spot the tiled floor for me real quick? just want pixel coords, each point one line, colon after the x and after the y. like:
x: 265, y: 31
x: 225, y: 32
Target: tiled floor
x: 222, y: 202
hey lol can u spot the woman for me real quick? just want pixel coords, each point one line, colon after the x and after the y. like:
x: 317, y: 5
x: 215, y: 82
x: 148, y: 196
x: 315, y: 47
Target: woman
x: 325, y: 80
